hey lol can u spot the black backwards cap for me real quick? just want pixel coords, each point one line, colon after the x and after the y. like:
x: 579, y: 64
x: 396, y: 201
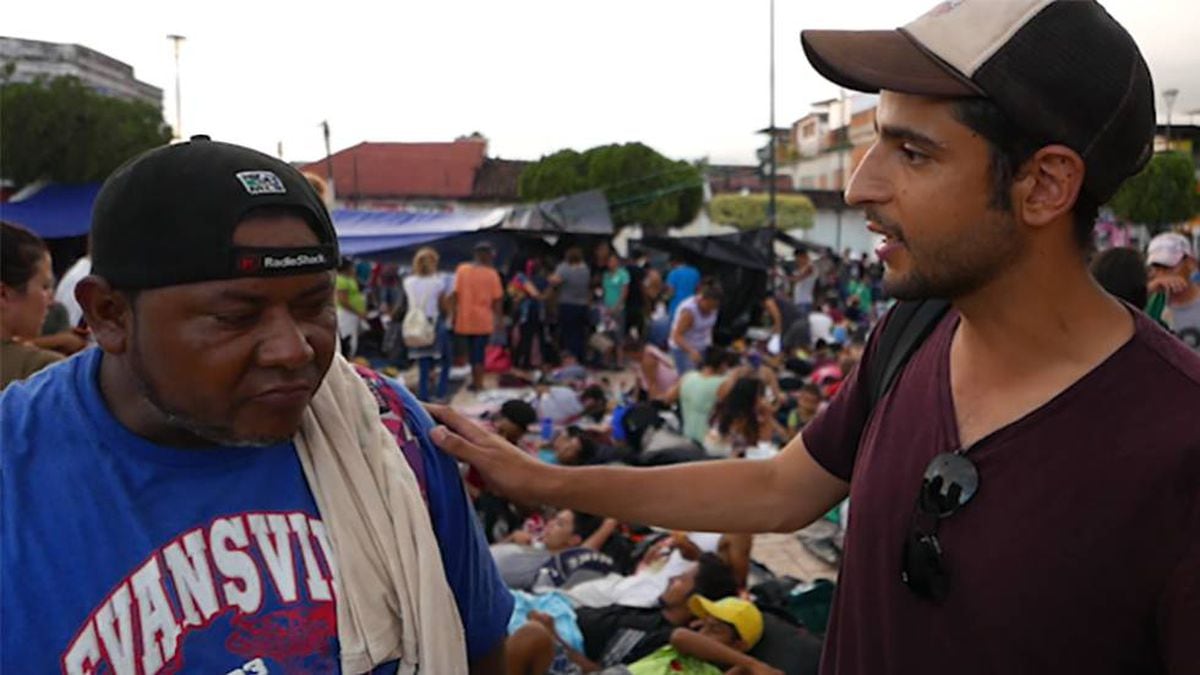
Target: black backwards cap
x: 1062, y: 70
x: 167, y: 217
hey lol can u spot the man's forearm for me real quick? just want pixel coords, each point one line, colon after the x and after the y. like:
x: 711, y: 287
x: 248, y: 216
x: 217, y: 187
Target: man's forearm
x: 677, y: 497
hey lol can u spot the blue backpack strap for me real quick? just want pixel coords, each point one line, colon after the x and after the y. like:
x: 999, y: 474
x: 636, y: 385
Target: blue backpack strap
x: 391, y: 413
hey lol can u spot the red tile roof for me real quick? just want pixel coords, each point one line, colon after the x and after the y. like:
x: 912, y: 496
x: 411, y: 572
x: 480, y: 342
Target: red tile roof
x: 405, y: 170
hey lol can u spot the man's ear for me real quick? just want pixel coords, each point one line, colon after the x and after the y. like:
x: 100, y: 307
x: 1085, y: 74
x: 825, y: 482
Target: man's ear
x: 1047, y: 185
x: 108, y: 311
x: 7, y: 294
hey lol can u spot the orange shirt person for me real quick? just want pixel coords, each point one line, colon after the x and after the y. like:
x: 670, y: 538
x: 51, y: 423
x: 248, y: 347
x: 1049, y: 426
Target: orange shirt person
x: 477, y: 296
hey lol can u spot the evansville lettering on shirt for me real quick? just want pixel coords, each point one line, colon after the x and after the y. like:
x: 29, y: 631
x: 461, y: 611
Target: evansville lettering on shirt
x: 226, y: 567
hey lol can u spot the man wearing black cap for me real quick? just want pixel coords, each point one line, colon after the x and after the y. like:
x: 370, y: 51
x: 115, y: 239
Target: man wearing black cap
x: 213, y: 489
x: 478, y: 296
x: 1014, y: 509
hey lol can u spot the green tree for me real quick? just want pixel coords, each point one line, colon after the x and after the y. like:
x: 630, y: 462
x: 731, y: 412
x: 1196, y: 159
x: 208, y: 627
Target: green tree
x: 1162, y: 194
x: 642, y: 186
x: 61, y: 130
x: 750, y: 211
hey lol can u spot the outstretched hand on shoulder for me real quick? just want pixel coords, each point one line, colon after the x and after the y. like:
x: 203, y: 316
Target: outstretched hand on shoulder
x: 508, y: 470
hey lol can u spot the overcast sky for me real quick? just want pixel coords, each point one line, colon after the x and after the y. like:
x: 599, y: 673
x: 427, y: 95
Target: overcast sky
x: 688, y: 77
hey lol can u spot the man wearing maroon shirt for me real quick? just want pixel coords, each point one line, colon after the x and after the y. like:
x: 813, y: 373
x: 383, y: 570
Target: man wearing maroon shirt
x: 1027, y: 494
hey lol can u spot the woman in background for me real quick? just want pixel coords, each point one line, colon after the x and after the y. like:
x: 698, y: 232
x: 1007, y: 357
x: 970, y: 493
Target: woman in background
x: 26, y: 291
x: 742, y: 417
x: 427, y: 289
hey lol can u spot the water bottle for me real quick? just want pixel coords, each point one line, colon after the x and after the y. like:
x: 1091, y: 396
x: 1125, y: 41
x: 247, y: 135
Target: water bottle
x: 547, y: 429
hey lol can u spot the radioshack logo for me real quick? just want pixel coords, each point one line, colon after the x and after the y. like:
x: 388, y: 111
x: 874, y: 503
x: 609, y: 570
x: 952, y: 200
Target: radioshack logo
x: 270, y: 262
x: 261, y: 183
x: 250, y: 264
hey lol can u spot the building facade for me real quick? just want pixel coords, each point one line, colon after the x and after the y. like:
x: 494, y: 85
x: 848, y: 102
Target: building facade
x: 432, y: 177
x: 830, y: 141
x: 31, y: 60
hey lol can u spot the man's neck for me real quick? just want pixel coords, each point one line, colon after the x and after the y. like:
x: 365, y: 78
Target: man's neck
x: 128, y: 404
x: 1033, y: 316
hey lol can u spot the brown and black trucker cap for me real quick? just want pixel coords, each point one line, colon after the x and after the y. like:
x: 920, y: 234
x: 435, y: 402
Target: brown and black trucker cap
x: 1062, y: 70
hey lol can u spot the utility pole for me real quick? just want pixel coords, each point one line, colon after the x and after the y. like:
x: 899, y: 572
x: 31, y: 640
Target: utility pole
x: 328, y: 154
x: 177, y: 39
x: 843, y: 136
x: 771, y: 219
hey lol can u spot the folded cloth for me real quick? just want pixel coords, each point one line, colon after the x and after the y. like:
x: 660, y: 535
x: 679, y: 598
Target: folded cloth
x: 393, y: 600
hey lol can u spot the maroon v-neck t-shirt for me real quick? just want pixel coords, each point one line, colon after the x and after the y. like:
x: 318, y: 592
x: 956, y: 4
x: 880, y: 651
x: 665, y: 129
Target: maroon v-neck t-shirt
x: 1079, y: 554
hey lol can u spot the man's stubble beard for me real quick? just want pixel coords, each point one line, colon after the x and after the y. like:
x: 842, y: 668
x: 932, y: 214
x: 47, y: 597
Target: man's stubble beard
x: 219, y: 435
x: 961, y: 265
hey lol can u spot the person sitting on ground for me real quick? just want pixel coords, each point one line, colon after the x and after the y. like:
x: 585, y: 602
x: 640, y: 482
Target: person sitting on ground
x: 654, y: 368
x: 570, y: 543
x: 808, y: 404
x: 616, y: 634
x: 696, y: 393
x: 741, y: 418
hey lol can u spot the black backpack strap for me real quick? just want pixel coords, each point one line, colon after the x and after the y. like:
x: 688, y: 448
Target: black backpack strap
x: 907, y: 327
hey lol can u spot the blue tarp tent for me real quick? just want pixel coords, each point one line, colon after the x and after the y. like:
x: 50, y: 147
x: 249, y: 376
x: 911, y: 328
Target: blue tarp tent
x: 55, y: 211
x: 370, y: 233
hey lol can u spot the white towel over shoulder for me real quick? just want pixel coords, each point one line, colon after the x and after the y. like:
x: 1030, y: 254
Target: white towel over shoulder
x: 393, y: 601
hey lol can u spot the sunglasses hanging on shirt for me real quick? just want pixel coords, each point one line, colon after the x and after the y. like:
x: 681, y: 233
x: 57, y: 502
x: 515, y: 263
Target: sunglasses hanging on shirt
x: 950, y: 481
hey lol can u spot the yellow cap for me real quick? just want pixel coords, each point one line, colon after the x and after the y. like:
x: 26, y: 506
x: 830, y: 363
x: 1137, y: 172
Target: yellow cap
x: 741, y: 614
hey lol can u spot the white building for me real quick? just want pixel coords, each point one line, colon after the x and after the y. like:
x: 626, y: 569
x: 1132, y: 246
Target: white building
x: 33, y: 59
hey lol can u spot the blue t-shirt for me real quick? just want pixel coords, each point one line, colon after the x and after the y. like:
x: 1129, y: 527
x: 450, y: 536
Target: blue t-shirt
x: 684, y: 280
x: 123, y: 556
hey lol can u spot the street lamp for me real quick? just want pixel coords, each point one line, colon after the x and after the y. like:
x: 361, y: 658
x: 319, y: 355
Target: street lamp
x: 178, y: 107
x: 1169, y: 96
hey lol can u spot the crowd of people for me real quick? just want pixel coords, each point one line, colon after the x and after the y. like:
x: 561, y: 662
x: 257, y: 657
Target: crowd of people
x: 585, y: 584
x: 210, y: 482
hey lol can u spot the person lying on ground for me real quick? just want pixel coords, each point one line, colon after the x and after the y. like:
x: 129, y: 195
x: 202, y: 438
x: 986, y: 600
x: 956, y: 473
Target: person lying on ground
x: 725, y: 631
x: 570, y: 543
x: 672, y: 555
x: 617, y: 635
x: 575, y: 446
